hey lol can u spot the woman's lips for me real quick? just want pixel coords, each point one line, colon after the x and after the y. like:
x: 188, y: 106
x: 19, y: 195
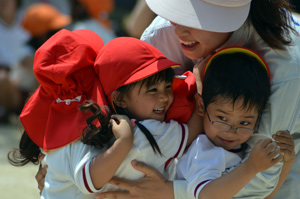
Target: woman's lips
x: 188, y: 45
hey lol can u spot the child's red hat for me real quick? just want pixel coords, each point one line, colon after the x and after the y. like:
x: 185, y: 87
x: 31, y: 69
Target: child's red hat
x: 63, y: 65
x: 125, y: 60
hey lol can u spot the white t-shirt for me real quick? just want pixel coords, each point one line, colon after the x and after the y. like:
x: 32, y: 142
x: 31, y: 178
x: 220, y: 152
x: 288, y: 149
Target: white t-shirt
x: 68, y: 167
x: 203, y: 163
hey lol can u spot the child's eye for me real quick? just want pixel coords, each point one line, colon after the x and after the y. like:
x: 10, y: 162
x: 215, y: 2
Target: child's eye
x: 152, y: 90
x: 169, y: 86
x: 222, y: 118
x: 244, y: 123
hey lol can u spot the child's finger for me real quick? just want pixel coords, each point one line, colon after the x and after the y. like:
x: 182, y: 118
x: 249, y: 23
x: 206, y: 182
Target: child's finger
x: 116, y: 118
x: 270, y: 147
x: 263, y: 143
x: 113, y: 122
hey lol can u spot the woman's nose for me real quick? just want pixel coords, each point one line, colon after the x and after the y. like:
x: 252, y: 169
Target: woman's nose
x: 181, y: 30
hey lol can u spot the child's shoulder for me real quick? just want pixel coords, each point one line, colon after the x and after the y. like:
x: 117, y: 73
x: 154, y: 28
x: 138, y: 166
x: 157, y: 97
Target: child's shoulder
x: 160, y: 129
x: 156, y: 124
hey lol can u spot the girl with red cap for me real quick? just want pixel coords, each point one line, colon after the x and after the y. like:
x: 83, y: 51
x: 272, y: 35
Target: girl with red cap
x: 89, y: 146
x: 137, y: 81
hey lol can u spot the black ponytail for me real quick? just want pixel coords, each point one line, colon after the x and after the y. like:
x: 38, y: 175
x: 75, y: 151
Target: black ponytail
x: 98, y: 131
x: 28, y: 152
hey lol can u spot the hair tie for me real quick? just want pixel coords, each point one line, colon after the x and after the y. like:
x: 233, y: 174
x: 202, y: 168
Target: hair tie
x: 237, y: 49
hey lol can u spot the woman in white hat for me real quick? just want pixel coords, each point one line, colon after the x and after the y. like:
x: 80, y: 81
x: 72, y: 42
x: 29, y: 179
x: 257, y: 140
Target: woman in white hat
x: 189, y: 31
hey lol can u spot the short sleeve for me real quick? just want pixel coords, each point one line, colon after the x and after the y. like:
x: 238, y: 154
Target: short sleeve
x: 203, y: 163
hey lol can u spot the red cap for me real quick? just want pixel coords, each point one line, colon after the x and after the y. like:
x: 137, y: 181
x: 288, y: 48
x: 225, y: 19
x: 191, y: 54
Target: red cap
x: 64, y: 68
x: 125, y: 60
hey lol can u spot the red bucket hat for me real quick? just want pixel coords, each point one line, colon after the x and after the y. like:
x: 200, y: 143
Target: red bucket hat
x: 125, y: 60
x: 64, y: 68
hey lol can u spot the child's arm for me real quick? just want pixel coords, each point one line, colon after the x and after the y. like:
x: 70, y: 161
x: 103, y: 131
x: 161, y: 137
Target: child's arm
x: 104, y: 166
x: 286, y: 144
x: 261, y: 157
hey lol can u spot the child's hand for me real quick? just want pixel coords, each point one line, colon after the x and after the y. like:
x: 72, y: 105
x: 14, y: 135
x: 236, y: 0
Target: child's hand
x: 286, y: 143
x: 121, y: 126
x: 264, y: 155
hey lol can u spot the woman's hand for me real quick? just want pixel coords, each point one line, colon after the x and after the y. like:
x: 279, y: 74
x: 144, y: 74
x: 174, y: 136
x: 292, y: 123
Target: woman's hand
x: 286, y: 143
x: 152, y: 186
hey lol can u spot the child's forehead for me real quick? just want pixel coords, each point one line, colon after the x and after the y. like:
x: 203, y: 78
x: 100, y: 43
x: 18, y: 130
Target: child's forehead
x: 146, y: 83
x: 229, y: 105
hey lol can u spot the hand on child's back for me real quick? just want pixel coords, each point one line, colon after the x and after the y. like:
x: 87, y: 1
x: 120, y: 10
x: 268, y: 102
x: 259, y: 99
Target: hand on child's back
x: 264, y: 155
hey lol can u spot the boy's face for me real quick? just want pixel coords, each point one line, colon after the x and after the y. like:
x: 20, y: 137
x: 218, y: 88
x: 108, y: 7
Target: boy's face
x: 235, y: 116
x: 149, y: 103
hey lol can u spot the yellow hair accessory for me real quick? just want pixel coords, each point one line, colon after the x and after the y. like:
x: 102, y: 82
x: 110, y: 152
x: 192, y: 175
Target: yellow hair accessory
x: 231, y: 50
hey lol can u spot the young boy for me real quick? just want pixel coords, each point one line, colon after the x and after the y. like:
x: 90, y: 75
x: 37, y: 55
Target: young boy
x: 235, y: 92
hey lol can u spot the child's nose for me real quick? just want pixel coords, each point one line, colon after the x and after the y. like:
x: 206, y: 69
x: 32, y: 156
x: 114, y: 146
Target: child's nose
x: 232, y: 131
x: 163, y: 96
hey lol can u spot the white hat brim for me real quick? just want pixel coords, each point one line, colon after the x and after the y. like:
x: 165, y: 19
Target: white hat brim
x: 201, y: 15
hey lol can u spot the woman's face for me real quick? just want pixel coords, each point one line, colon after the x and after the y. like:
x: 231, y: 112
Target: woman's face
x: 197, y: 43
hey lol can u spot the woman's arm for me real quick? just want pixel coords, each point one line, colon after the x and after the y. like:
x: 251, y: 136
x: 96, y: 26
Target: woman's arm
x: 287, y: 146
x: 152, y: 186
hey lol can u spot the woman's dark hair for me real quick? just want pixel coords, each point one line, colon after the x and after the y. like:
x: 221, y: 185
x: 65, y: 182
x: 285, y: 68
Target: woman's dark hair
x: 272, y: 21
x: 236, y: 76
x: 28, y: 152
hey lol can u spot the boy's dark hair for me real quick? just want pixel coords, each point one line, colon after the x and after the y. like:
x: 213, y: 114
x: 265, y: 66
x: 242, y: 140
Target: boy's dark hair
x: 272, y: 21
x: 235, y: 76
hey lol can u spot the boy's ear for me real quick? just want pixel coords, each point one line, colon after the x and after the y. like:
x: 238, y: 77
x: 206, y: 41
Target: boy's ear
x: 199, y: 104
x: 119, y: 102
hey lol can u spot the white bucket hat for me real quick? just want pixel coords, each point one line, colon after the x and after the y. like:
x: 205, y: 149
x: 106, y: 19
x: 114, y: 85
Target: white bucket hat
x: 210, y: 15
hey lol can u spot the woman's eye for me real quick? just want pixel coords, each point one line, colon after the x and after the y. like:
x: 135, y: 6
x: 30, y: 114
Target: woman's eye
x: 222, y: 118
